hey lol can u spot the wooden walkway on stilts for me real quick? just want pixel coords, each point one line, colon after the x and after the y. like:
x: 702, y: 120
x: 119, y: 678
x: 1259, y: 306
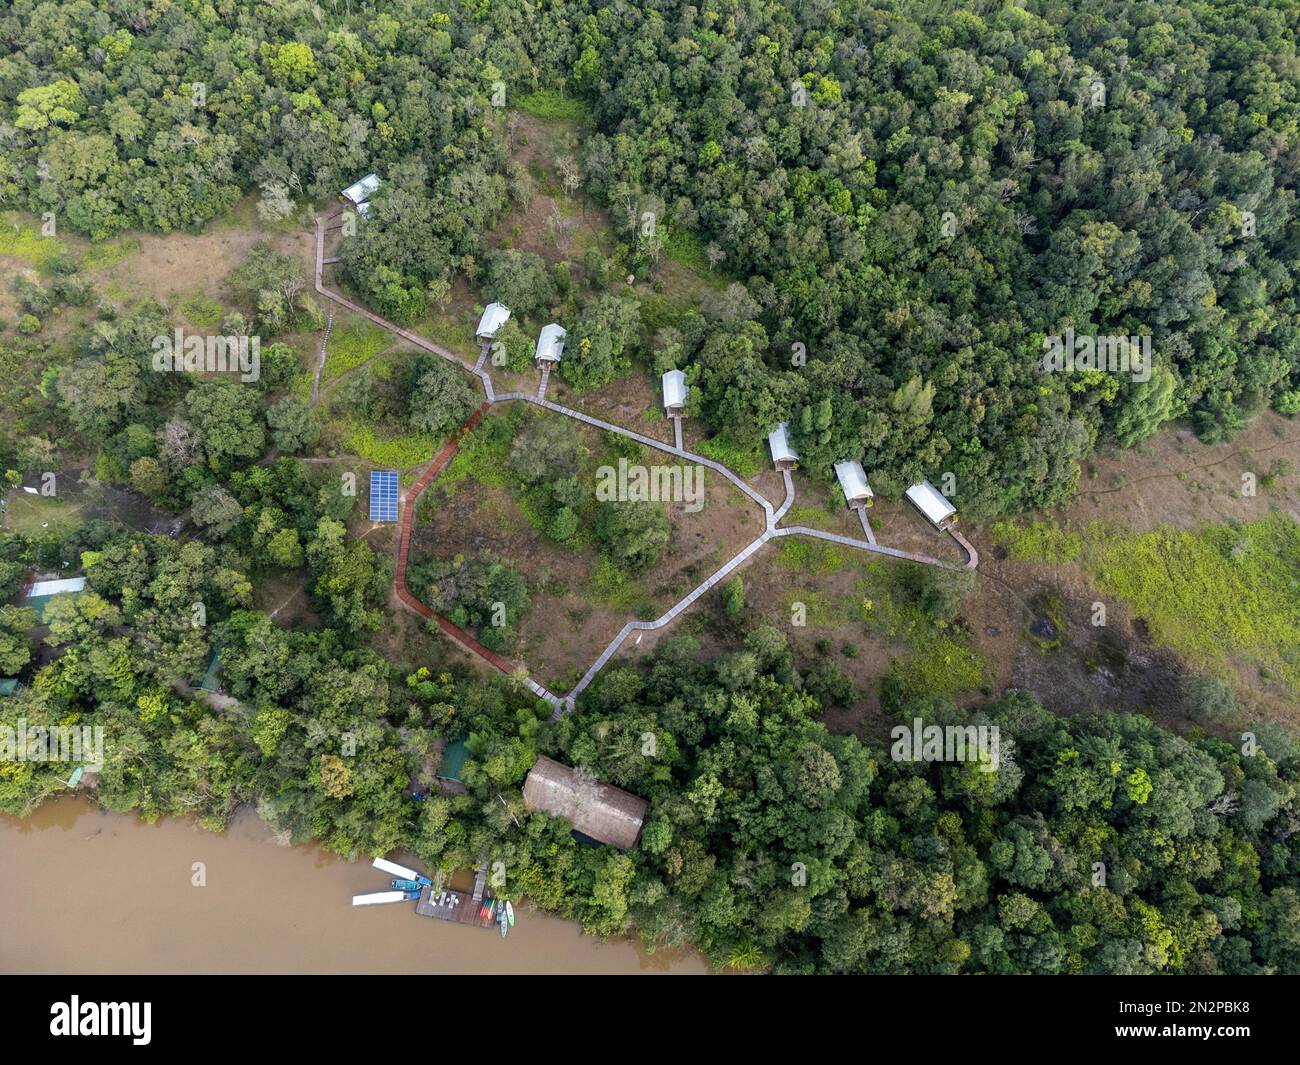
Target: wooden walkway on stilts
x: 439, y: 905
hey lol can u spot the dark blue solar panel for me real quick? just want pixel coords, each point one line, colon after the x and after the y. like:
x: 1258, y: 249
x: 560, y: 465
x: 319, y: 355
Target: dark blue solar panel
x: 383, y: 495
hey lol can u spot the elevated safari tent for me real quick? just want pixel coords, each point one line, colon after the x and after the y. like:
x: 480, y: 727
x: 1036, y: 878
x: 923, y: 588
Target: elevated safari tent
x: 853, y: 480
x: 784, y: 457
x: 674, y: 382
x: 358, y: 194
x: 495, y: 315
x: 928, y: 500
x: 600, y: 812
x: 550, y: 344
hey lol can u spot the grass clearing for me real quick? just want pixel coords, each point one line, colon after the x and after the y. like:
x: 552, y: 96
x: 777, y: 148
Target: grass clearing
x: 110, y: 253
x: 939, y: 659
x: 807, y: 555
x: 1214, y: 593
x: 743, y: 462
x: 483, y: 454
x: 390, y: 452
x: 202, y: 311
x: 37, y: 516
x: 686, y: 247
x: 548, y: 105
x: 355, y: 343
x: 23, y: 242
x: 1039, y: 541
x: 814, y: 517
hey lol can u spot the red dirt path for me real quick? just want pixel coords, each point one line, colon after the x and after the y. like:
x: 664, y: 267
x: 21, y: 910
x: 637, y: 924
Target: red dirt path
x: 404, y: 593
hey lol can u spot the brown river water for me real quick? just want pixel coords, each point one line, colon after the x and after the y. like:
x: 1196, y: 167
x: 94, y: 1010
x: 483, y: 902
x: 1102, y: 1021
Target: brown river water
x: 87, y: 891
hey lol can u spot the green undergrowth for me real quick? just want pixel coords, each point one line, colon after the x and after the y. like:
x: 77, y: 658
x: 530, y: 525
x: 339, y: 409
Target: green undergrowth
x: 25, y: 243
x: 551, y: 106
x: 1214, y: 594
x: 350, y: 346
x: 809, y: 555
x: 938, y: 659
x: 395, y: 452
x: 744, y: 462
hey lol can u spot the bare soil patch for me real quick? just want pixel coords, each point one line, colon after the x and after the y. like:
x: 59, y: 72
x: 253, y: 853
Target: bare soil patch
x: 568, y: 625
x: 1170, y: 480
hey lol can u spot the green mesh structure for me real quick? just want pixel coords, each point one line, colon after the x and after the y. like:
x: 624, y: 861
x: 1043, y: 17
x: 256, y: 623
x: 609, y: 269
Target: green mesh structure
x: 453, y: 760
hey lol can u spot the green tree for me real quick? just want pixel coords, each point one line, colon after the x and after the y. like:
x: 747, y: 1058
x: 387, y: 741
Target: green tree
x: 601, y: 344
x: 441, y: 397
x: 293, y: 425
x: 15, y: 648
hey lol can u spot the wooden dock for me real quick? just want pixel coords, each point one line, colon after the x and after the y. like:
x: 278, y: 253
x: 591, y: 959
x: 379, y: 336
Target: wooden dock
x: 458, y: 907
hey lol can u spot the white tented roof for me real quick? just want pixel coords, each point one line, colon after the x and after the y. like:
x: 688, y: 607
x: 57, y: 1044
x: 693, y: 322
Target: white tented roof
x: 363, y: 209
x: 926, y: 498
x: 362, y: 190
x: 550, y: 343
x: 41, y: 588
x: 853, y: 479
x: 494, y: 317
x: 674, y: 388
x: 779, y: 441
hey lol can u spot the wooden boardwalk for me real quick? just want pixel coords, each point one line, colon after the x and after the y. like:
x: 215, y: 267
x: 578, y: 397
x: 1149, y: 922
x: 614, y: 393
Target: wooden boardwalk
x: 439, y: 461
x: 458, y: 907
x: 866, y: 524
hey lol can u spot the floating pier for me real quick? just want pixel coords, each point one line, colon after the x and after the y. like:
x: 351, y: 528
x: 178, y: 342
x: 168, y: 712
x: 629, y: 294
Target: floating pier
x: 458, y: 907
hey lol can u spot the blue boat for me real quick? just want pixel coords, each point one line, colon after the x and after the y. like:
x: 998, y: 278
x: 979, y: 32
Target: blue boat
x: 407, y: 885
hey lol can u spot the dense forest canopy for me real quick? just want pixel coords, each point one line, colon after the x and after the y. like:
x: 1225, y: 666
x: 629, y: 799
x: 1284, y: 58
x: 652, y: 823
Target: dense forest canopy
x: 913, y: 195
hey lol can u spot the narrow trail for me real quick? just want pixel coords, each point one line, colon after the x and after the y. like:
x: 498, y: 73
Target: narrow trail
x: 1188, y: 471
x: 320, y: 361
x: 562, y: 705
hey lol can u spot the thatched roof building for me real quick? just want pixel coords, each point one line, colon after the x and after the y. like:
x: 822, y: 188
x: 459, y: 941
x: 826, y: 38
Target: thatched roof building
x: 599, y: 811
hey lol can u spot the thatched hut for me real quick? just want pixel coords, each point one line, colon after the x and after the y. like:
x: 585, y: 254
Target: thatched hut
x: 598, y: 811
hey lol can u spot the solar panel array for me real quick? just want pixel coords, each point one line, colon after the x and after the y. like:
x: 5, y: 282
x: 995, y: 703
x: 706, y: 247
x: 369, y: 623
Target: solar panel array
x: 383, y: 495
